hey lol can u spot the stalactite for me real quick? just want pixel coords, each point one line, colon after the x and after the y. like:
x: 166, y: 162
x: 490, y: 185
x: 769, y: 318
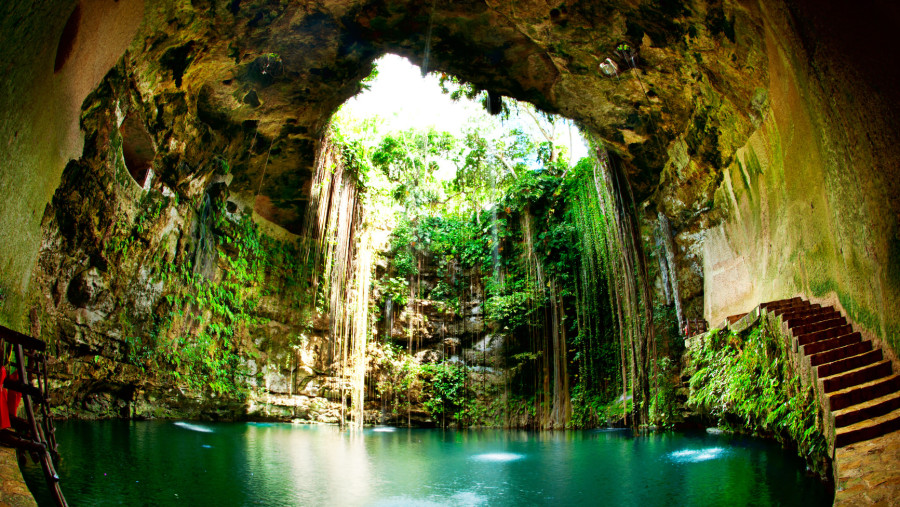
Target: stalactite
x: 668, y: 243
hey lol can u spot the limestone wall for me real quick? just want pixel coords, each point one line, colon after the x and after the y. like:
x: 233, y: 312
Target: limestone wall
x: 812, y: 198
x: 39, y: 112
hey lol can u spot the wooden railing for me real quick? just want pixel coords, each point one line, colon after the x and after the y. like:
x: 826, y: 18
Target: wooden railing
x: 695, y: 327
x: 25, y: 377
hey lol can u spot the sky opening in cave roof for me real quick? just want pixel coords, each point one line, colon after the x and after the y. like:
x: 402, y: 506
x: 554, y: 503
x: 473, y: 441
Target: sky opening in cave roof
x: 400, y: 98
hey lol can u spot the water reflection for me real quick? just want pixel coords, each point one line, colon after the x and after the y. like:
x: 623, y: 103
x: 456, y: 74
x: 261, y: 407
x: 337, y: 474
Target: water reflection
x: 696, y: 455
x: 193, y: 427
x: 158, y: 463
x: 497, y: 456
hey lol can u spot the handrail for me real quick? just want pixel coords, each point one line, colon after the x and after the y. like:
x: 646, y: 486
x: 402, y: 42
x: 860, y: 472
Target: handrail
x: 17, y: 338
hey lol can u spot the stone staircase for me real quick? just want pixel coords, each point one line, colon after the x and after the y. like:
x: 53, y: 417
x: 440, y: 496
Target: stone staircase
x: 858, y: 388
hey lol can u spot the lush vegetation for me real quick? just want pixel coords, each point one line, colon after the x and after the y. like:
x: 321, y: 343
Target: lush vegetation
x: 748, y: 382
x: 498, y: 216
x: 522, y: 225
x: 198, y: 335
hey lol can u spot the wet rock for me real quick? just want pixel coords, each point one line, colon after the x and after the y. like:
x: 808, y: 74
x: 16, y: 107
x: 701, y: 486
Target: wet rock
x: 252, y: 99
x: 85, y: 288
x: 428, y: 356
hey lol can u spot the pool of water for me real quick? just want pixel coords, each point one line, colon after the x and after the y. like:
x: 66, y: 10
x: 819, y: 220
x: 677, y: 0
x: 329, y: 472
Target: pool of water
x: 222, y: 464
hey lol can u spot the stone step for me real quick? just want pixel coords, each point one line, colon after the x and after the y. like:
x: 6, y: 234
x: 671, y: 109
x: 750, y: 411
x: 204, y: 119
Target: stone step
x: 866, y: 410
x: 731, y: 319
x: 831, y: 343
x: 780, y: 302
x: 849, y: 363
x: 782, y: 309
x: 802, y: 310
x: 818, y: 326
x: 833, y: 355
x: 855, y: 377
x: 810, y: 317
x: 863, y: 392
x: 867, y: 430
x: 774, y: 306
x: 815, y: 336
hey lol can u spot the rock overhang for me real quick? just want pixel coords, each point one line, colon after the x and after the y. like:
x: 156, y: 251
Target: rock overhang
x: 255, y: 83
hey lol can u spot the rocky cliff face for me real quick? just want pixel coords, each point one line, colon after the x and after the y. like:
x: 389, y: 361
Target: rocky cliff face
x: 435, y: 329
x: 137, y: 284
x: 764, y: 132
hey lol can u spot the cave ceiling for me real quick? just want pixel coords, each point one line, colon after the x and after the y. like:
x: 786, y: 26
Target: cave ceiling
x: 254, y: 83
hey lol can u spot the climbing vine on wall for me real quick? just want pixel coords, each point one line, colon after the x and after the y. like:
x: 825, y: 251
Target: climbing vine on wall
x: 199, y: 334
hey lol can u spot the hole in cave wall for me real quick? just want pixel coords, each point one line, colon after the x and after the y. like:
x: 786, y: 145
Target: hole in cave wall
x: 177, y: 59
x: 67, y: 39
x: 137, y: 148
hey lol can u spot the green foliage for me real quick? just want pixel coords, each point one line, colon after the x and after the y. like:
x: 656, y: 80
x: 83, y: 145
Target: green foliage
x: 561, y: 206
x: 127, y: 235
x: 591, y: 410
x: 366, y: 83
x: 512, y: 305
x: 664, y: 403
x: 355, y: 152
x: 222, y: 165
x: 444, y: 393
x: 399, y: 379
x: 445, y: 389
x: 401, y: 250
x: 408, y: 160
x: 516, y: 223
x: 753, y: 380
x: 196, y: 336
x: 394, y: 289
x: 588, y: 409
x: 457, y: 88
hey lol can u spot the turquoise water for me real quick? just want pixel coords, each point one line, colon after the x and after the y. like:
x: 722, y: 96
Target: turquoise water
x: 223, y: 464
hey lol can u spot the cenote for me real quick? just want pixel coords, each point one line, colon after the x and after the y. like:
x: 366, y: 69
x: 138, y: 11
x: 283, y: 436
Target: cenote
x: 166, y: 463
x: 428, y: 246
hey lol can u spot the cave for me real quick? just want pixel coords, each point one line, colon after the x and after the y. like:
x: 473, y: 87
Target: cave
x: 137, y: 149
x: 178, y: 199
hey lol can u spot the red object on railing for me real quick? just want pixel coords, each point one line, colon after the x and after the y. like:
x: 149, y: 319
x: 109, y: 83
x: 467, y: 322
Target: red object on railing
x: 13, y: 399
x: 9, y: 400
x: 695, y: 326
x: 4, y: 413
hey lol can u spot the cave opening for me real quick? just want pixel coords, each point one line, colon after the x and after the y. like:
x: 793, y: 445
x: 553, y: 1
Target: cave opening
x: 286, y: 264
x: 441, y: 170
x: 137, y: 149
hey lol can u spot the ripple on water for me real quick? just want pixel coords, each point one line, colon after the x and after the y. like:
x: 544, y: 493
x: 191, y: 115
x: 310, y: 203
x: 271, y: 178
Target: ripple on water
x: 468, y: 498
x: 384, y: 429
x: 406, y: 501
x: 462, y: 498
x: 193, y: 427
x: 498, y: 456
x: 696, y: 455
